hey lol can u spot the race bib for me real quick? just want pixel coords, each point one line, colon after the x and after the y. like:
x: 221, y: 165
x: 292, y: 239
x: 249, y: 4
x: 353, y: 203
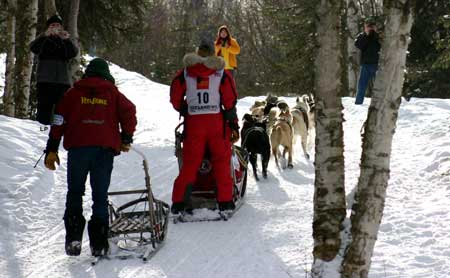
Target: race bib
x: 202, y: 94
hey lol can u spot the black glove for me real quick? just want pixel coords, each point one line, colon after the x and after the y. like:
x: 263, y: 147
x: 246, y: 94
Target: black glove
x: 230, y: 115
x: 184, y: 109
x: 234, y: 126
x: 126, y: 138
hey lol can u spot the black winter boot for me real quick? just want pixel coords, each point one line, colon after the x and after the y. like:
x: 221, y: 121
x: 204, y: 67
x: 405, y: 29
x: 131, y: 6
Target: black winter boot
x: 74, y: 233
x: 224, y: 206
x: 98, y: 237
x: 177, y: 207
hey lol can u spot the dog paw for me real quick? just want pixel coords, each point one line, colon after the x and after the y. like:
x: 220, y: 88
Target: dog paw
x: 290, y: 166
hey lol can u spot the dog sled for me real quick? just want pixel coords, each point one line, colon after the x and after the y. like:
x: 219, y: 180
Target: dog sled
x: 202, y: 204
x: 138, y: 227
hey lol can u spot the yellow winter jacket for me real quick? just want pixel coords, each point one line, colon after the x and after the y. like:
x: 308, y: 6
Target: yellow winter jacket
x: 229, y: 51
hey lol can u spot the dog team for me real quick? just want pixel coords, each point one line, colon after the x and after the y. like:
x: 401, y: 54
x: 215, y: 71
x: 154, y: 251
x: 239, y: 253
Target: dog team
x: 272, y: 124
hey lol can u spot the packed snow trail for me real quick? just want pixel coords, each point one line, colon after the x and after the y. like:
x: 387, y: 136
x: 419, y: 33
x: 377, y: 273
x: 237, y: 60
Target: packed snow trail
x: 270, y: 236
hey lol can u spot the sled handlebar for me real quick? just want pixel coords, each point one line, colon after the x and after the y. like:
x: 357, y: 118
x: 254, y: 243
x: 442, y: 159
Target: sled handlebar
x: 141, y: 154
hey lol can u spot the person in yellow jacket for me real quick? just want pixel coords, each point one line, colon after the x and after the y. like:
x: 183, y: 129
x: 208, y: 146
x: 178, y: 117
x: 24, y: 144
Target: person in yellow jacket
x: 227, y: 47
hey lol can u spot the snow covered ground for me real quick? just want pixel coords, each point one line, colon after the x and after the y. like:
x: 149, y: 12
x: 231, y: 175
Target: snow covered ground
x: 270, y: 236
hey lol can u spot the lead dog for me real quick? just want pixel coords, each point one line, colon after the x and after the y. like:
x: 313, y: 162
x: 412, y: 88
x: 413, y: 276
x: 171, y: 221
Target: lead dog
x: 300, y: 123
x: 256, y: 141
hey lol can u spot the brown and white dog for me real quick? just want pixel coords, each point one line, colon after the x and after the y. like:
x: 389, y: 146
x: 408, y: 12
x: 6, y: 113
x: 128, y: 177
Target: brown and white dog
x: 282, y: 135
x: 303, y: 122
x: 257, y: 110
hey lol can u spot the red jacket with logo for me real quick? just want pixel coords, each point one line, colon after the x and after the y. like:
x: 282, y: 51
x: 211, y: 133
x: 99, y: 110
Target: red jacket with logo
x: 93, y: 113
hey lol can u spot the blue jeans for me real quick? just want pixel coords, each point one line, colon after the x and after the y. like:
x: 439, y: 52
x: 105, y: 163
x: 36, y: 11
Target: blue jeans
x: 368, y: 72
x: 98, y: 162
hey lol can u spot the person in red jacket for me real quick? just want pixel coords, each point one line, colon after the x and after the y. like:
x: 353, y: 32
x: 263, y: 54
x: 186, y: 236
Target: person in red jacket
x: 206, y: 96
x: 97, y: 122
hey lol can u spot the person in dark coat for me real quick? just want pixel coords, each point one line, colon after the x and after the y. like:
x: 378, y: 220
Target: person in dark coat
x: 369, y: 44
x: 97, y: 122
x: 54, y: 49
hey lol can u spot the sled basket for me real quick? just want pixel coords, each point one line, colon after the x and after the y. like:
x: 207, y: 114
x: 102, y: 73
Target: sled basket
x: 140, y: 224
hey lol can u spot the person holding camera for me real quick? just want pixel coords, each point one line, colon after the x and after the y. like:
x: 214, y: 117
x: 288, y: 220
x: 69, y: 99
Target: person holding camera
x: 54, y: 50
x: 369, y: 44
x: 227, y: 47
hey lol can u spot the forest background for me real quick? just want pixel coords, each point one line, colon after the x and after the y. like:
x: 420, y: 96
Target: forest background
x: 277, y: 40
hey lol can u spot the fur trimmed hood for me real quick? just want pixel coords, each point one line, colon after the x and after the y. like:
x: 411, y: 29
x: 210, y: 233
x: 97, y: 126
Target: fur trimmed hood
x: 211, y: 62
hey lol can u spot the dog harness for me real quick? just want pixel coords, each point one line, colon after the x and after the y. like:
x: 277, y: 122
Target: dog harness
x: 202, y: 93
x: 250, y: 130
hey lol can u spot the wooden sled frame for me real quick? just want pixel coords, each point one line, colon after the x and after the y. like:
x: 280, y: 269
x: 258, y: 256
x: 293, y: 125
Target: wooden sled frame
x: 146, y: 228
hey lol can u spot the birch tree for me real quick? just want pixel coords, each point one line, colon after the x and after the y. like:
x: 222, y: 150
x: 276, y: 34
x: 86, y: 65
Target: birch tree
x: 26, y: 33
x: 72, y: 28
x: 367, y: 210
x: 50, y: 8
x: 329, y: 194
x: 8, y: 95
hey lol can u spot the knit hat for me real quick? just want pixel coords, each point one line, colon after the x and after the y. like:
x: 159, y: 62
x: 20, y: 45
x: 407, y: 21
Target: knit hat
x: 206, y: 48
x: 370, y: 21
x: 99, y: 67
x: 54, y: 19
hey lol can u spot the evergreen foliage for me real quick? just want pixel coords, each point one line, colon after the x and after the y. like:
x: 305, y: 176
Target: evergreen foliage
x: 428, y: 62
x: 276, y: 39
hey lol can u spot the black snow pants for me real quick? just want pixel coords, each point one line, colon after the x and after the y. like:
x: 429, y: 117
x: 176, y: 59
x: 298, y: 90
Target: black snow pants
x: 48, y: 95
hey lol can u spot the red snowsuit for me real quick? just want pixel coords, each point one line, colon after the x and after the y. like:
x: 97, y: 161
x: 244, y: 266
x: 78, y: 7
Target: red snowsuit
x: 201, y: 92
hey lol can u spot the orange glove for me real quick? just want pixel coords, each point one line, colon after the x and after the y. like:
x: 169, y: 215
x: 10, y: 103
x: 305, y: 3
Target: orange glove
x: 234, y: 136
x: 50, y: 159
x: 125, y: 147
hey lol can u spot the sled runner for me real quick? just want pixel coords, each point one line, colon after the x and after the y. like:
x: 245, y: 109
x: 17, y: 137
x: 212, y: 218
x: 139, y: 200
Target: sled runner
x: 202, y: 205
x: 138, y: 227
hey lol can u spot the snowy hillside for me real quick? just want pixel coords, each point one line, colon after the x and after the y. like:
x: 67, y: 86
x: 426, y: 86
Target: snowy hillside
x: 270, y: 236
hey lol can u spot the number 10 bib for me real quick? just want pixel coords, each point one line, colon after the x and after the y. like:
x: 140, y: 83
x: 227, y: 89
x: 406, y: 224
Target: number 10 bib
x: 202, y: 93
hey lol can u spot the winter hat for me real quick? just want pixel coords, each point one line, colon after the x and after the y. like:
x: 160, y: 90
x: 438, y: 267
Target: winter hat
x: 54, y: 19
x: 370, y: 21
x: 99, y: 67
x: 206, y: 48
x: 223, y: 27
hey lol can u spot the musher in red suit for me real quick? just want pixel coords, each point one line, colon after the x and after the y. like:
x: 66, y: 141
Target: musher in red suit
x: 97, y: 122
x: 206, y: 96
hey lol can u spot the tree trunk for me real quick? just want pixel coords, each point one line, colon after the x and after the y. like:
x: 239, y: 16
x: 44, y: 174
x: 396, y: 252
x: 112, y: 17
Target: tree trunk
x: 72, y: 28
x: 329, y: 195
x: 352, y: 51
x: 26, y: 33
x: 50, y: 8
x: 345, y: 91
x: 8, y: 96
x: 377, y: 140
